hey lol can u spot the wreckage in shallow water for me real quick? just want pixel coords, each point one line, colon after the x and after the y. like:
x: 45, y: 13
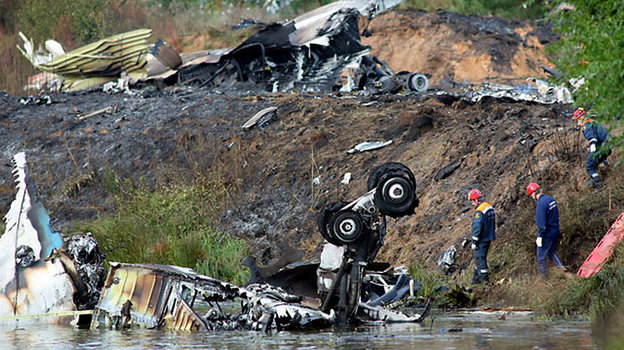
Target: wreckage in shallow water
x: 40, y: 282
x: 176, y: 298
x: 166, y: 297
x: 46, y: 279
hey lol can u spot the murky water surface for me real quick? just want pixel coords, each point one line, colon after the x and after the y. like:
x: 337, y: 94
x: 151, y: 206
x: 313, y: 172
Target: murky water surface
x: 457, y: 330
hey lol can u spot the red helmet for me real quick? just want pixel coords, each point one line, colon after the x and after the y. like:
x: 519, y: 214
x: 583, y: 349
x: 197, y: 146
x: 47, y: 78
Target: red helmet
x: 578, y: 113
x: 474, y: 194
x: 531, y: 188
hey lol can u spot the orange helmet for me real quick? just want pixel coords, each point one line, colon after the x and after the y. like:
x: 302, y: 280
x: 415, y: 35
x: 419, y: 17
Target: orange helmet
x: 474, y: 194
x: 580, y: 112
x: 531, y: 188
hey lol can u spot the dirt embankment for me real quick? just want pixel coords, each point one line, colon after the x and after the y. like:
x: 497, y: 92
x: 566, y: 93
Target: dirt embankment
x: 454, y: 48
x: 496, y: 145
x: 499, y: 146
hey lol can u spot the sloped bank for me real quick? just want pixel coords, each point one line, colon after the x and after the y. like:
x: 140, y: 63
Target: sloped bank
x: 497, y: 145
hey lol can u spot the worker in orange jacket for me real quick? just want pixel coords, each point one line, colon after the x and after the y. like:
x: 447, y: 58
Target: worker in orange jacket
x: 483, y: 232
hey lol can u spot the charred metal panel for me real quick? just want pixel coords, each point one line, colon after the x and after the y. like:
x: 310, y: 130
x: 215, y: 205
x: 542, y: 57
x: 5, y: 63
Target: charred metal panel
x: 141, y: 287
x: 158, y: 295
x: 184, y: 318
x: 308, y: 23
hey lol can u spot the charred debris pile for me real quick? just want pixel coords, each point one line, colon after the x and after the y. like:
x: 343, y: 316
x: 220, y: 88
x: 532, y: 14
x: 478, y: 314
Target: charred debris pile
x: 48, y: 279
x: 319, y: 51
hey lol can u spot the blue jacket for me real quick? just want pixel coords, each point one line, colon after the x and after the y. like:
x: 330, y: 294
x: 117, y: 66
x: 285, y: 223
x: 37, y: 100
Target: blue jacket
x: 595, y: 132
x: 547, y: 217
x: 484, y: 223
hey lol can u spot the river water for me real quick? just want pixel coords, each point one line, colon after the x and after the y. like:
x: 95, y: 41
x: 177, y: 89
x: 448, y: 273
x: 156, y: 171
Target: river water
x: 457, y: 330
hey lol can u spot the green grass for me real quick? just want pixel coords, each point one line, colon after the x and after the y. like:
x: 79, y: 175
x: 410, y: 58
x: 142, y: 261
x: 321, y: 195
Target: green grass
x: 500, y: 8
x: 172, y: 225
x: 430, y: 279
x: 600, y: 294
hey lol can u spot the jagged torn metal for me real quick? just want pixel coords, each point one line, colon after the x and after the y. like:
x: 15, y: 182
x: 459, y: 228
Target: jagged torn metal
x: 27, y: 224
x: 164, y: 296
x: 32, y: 283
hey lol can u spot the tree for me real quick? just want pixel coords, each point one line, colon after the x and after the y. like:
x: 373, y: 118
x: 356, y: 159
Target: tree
x: 592, y: 47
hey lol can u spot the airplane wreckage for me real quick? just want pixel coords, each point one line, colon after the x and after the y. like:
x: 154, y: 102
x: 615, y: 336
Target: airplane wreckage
x: 46, y: 277
x: 317, y: 51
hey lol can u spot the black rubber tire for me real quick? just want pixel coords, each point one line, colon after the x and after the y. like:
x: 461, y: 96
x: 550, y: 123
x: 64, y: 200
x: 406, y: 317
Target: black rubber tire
x: 347, y: 226
x: 418, y: 82
x: 395, y: 195
x: 378, y: 172
x: 324, y: 220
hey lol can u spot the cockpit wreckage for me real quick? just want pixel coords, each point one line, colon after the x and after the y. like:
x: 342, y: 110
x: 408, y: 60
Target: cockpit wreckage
x: 319, y: 51
x: 49, y: 278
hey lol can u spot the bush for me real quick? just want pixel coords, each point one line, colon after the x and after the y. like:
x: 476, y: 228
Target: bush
x: 500, y: 8
x: 591, y: 47
x: 223, y: 259
x: 172, y: 225
x: 67, y: 21
x: 430, y: 279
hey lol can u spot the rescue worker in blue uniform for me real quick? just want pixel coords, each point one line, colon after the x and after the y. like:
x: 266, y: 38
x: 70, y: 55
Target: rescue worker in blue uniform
x: 483, y: 232
x: 599, y: 145
x: 548, y: 234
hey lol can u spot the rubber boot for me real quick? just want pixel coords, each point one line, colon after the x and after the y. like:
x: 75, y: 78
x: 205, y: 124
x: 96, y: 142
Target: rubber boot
x: 542, y: 267
x: 597, y: 180
x: 476, y: 277
x: 598, y: 184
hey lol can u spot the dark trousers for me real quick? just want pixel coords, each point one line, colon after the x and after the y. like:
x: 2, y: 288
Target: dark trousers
x: 548, y: 250
x: 591, y: 165
x: 480, y: 260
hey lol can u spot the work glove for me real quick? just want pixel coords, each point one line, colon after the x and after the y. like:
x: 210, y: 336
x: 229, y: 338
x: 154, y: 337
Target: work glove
x: 592, y: 148
x: 538, y: 241
x: 473, y: 246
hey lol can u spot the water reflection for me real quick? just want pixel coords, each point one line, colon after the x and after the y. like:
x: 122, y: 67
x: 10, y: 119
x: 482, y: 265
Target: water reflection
x: 442, y: 331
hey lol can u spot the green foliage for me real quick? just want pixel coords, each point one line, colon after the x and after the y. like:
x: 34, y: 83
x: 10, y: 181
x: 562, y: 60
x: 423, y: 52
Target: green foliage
x: 430, y: 279
x: 173, y: 6
x: 7, y: 12
x: 63, y: 20
x: 585, y: 217
x: 499, y: 8
x: 172, y: 225
x: 591, y: 47
x: 223, y: 259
